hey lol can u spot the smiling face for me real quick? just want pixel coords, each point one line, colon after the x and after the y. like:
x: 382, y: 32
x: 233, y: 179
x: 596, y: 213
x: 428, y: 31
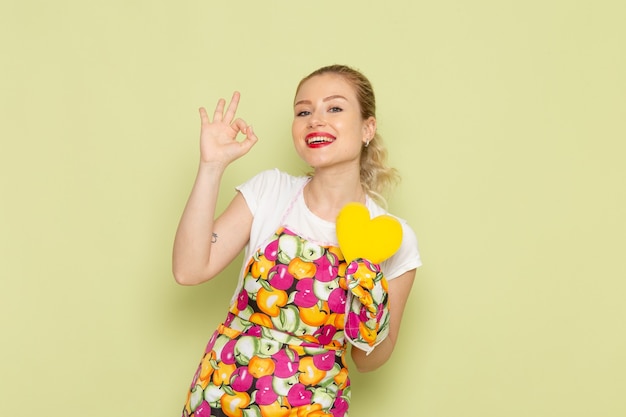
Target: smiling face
x: 328, y: 128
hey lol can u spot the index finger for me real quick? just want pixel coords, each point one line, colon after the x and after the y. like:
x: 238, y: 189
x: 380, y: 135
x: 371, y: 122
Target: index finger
x: 232, y: 108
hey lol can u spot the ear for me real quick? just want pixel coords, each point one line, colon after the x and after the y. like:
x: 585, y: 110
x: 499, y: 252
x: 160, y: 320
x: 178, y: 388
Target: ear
x: 369, y: 128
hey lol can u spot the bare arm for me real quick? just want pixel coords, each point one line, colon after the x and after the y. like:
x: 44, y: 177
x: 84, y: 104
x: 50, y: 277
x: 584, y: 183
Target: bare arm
x: 399, y: 289
x: 204, y: 246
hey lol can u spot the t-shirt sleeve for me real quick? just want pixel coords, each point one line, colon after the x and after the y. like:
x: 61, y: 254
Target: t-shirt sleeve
x: 267, y: 195
x: 406, y: 258
x: 262, y: 187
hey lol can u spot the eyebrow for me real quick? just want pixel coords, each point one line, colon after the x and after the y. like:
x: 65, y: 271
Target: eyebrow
x: 329, y: 98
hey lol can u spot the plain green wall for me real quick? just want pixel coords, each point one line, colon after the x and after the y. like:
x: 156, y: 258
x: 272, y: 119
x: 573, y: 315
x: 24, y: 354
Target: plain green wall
x: 505, y: 118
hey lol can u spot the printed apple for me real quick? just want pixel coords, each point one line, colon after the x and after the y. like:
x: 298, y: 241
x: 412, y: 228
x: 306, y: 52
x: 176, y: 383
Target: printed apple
x: 241, y: 380
x: 265, y: 394
x: 323, y: 289
x: 219, y: 343
x: 271, y: 250
x: 203, y: 410
x: 212, y: 340
x: 309, y: 373
x: 268, y: 347
x: 340, y: 406
x: 242, y: 299
x: 379, y: 295
x: 227, y: 355
x: 352, y: 326
x: 244, y: 314
x: 261, y: 266
x: 324, y: 361
x: 260, y: 366
x: 277, y: 409
x: 288, y: 319
x: 352, y: 267
x: 212, y: 394
x: 270, y: 302
x: 282, y: 386
x: 205, y: 370
x: 324, y: 397
x: 325, y: 334
x: 299, y: 395
x: 315, y: 315
x: 289, y: 247
x: 254, y: 330
x: 245, y: 348
x: 240, y: 323
x: 305, y: 297
x: 304, y: 329
x: 261, y: 319
x: 342, y: 380
x: 311, y: 251
x: 300, y: 268
x: 233, y: 404
x: 252, y: 411
x: 196, y: 397
x: 329, y: 382
x: 229, y: 320
x: 223, y: 372
x: 287, y: 362
x: 327, y: 267
x: 251, y: 285
x: 337, y: 301
x: 280, y: 277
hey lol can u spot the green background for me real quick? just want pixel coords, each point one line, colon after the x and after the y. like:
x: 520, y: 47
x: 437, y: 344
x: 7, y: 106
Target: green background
x: 506, y: 120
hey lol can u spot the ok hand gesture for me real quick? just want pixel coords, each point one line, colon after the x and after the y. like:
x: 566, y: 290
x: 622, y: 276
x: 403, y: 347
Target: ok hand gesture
x: 218, y: 138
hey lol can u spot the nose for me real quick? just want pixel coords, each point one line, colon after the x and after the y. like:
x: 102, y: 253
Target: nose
x: 316, y: 119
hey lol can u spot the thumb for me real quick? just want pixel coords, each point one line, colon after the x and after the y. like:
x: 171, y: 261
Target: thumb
x: 251, y: 138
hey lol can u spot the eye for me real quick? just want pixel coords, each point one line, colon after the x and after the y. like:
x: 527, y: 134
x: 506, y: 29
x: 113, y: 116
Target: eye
x: 303, y: 113
x: 335, y: 109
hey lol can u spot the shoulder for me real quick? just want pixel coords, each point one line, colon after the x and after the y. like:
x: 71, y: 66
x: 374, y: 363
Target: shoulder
x: 270, y: 185
x: 272, y: 178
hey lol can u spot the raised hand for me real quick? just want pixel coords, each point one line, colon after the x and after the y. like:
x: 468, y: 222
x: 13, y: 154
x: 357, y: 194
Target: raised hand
x: 197, y: 257
x: 218, y: 138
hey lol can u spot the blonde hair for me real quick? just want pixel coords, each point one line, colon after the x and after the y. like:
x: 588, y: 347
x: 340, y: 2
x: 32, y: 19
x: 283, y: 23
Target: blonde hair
x: 377, y: 178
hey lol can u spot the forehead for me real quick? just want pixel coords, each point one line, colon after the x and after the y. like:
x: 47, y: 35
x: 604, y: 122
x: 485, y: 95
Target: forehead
x: 326, y: 85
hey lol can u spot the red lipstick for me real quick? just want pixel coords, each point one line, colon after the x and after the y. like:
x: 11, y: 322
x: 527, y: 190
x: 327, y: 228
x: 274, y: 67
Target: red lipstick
x: 319, y: 139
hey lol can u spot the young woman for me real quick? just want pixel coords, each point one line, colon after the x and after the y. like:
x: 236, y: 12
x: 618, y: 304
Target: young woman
x: 281, y: 350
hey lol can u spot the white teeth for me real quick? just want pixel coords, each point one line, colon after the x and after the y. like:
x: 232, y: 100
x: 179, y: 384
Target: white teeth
x: 319, y: 139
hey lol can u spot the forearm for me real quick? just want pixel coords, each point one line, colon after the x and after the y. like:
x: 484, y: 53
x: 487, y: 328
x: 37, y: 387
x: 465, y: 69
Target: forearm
x: 399, y: 289
x: 192, y: 244
x: 371, y: 362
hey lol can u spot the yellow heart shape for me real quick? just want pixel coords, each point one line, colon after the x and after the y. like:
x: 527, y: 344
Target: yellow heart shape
x: 359, y: 236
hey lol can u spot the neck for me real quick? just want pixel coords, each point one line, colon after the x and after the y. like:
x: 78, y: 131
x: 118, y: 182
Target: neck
x: 326, y: 195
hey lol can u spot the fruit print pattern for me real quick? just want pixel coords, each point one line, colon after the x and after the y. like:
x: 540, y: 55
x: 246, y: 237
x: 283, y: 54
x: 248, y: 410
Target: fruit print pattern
x: 367, y: 323
x: 281, y: 350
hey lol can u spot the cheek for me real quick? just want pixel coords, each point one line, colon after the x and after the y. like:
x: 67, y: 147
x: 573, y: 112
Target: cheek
x: 297, y: 127
x: 295, y: 135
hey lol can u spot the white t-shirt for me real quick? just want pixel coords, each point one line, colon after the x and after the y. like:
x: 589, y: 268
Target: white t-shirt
x: 275, y: 199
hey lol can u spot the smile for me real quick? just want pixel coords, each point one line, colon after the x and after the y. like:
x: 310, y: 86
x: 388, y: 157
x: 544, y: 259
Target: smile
x: 317, y: 139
